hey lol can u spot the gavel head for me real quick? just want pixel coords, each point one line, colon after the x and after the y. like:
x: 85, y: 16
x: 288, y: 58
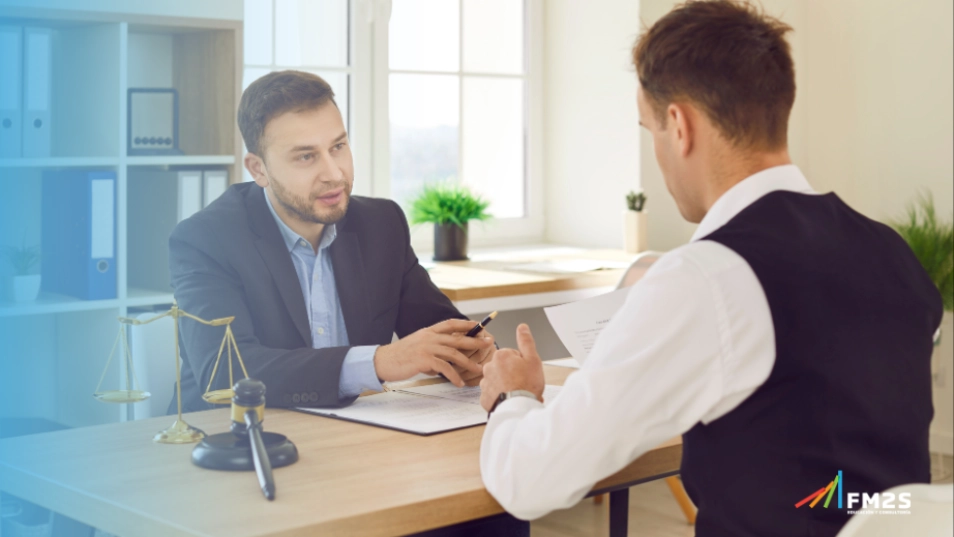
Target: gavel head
x: 249, y: 395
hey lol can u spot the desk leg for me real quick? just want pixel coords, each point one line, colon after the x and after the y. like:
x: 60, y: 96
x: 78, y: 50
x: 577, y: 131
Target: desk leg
x: 619, y: 513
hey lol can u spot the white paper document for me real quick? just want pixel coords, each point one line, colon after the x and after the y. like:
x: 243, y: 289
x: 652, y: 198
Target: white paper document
x: 569, y: 266
x: 579, y: 323
x: 564, y: 362
x: 424, y: 410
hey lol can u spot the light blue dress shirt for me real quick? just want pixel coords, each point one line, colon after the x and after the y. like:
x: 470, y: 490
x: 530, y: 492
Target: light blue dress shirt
x: 317, y: 279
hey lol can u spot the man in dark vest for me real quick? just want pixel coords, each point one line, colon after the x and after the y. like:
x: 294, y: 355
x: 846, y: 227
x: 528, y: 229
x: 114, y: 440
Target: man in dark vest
x: 789, y: 342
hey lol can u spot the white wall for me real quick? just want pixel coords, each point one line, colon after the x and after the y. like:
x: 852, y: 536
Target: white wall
x: 873, y: 117
x: 591, y: 146
x: 880, y: 100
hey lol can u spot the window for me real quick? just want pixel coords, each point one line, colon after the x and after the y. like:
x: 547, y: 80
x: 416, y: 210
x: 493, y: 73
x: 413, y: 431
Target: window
x: 431, y: 90
x: 458, y: 82
x: 307, y: 35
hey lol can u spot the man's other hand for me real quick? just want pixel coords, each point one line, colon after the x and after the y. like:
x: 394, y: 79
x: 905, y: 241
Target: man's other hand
x: 513, y: 369
x: 481, y: 357
x: 442, y: 348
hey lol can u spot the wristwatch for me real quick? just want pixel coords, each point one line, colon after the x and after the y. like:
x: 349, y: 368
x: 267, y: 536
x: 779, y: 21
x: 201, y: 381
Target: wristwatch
x: 507, y: 395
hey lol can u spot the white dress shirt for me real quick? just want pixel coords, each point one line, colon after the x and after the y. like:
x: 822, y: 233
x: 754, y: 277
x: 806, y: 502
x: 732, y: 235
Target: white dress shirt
x: 693, y: 340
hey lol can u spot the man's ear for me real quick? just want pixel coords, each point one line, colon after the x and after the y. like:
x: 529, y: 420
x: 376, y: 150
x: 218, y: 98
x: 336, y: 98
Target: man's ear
x: 256, y: 166
x: 682, y: 128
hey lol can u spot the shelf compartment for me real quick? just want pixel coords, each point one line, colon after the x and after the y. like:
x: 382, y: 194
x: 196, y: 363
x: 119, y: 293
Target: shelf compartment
x: 60, y: 162
x: 48, y: 303
x: 182, y: 160
x: 201, y: 67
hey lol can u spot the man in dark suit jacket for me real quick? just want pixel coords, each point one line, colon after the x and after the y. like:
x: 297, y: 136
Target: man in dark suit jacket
x: 318, y: 282
x: 292, y: 253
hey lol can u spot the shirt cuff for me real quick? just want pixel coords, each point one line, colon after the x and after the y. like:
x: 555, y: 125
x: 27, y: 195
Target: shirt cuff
x: 357, y: 372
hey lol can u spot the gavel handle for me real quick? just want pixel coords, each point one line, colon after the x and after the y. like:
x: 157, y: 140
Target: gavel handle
x: 263, y: 467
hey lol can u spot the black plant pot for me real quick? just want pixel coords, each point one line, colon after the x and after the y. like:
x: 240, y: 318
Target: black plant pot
x: 450, y: 242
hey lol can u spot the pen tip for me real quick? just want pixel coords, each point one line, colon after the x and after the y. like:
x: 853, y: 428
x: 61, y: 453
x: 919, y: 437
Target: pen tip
x: 493, y: 315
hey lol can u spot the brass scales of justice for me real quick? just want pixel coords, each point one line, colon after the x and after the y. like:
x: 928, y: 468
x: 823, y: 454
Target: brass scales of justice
x: 179, y: 432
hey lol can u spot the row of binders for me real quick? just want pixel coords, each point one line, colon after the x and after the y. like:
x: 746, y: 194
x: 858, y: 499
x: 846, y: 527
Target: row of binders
x: 25, y: 91
x: 78, y: 234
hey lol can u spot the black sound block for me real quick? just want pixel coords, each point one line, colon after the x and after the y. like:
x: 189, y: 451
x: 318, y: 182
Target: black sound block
x: 228, y: 452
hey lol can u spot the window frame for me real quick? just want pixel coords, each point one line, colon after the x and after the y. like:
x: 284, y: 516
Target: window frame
x: 498, y: 231
x: 358, y: 117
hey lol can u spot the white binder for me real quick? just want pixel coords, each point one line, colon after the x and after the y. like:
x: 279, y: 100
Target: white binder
x: 216, y: 181
x: 190, y: 194
x: 11, y: 84
x: 37, y: 90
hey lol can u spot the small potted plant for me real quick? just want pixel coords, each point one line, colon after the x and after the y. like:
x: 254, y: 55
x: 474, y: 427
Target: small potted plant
x: 634, y: 223
x: 933, y: 244
x: 24, y: 285
x: 449, y: 207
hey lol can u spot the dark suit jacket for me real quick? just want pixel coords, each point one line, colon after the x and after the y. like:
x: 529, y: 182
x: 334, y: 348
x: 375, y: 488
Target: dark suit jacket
x: 230, y: 260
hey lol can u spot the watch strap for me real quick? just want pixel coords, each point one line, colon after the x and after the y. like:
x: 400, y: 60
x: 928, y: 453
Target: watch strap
x: 507, y: 395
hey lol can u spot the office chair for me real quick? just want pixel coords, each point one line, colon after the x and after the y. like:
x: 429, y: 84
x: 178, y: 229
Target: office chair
x: 637, y: 269
x: 932, y: 515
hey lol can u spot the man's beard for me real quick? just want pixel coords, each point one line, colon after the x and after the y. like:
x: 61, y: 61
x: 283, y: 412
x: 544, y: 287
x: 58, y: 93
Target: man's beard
x: 304, y: 210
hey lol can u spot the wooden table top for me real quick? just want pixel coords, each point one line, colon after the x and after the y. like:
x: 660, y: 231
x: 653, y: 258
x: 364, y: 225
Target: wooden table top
x: 469, y: 280
x: 351, y: 479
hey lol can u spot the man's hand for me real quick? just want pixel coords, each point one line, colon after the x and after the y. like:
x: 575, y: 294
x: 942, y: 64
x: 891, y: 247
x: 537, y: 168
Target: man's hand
x: 512, y: 370
x: 481, y: 357
x: 432, y: 350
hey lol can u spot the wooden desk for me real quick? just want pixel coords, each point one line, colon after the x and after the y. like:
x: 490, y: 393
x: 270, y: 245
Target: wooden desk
x: 489, y: 281
x: 352, y: 479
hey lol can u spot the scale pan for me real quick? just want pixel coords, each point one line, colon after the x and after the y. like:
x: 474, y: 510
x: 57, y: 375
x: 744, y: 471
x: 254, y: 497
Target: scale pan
x: 122, y: 396
x: 219, y: 397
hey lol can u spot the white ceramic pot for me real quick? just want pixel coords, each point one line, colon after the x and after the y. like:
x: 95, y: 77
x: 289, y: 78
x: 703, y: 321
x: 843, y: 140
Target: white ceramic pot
x: 635, y: 238
x: 23, y: 288
x: 942, y: 428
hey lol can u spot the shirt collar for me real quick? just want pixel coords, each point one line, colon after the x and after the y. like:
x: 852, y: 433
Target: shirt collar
x: 746, y: 192
x: 292, y: 239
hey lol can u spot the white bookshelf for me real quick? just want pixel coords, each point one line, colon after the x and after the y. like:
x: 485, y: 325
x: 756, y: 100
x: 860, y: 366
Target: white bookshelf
x: 61, y: 162
x: 101, y: 48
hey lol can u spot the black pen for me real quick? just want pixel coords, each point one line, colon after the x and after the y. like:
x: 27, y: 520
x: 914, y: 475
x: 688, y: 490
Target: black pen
x: 480, y: 326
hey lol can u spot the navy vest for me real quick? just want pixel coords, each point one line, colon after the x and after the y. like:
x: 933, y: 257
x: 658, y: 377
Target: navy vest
x: 854, y: 314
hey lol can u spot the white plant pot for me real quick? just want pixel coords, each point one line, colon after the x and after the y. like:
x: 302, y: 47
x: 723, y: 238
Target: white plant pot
x: 23, y: 288
x: 635, y: 237
x: 942, y: 428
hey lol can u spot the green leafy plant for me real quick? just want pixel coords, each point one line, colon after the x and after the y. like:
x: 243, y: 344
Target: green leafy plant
x: 933, y: 243
x: 445, y: 203
x: 23, y: 258
x: 635, y: 202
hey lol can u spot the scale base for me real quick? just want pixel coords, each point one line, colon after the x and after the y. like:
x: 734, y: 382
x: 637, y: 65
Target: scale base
x: 226, y: 451
x: 179, y: 433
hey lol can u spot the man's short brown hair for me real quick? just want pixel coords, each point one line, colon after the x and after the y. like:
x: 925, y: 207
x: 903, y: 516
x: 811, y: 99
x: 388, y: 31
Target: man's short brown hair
x: 273, y: 95
x: 728, y: 58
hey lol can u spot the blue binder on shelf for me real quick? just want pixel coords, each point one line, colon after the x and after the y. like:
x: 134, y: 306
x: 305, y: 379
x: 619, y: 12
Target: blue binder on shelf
x: 79, y: 234
x: 11, y: 84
